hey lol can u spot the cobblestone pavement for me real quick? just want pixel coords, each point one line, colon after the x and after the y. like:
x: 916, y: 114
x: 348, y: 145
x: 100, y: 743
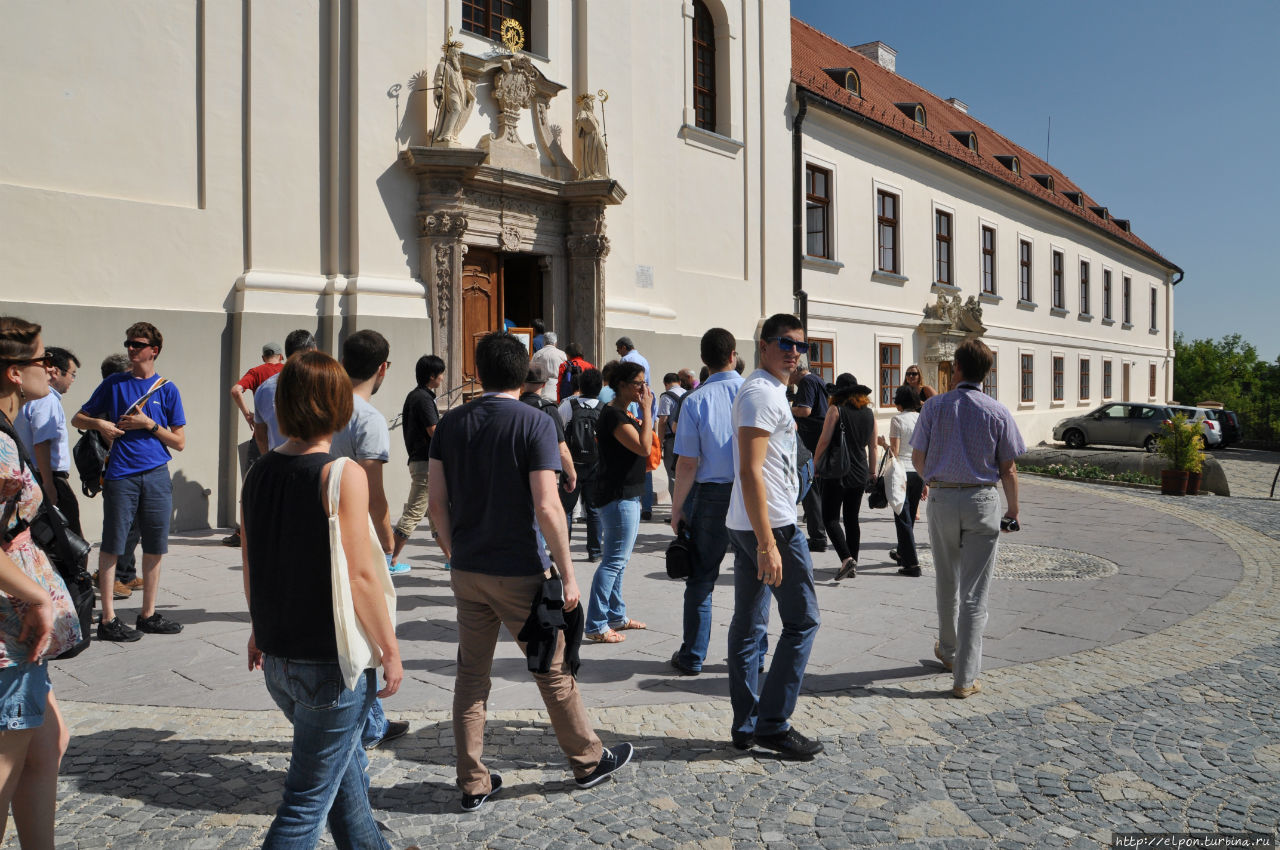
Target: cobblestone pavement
x: 1250, y: 471
x: 1164, y: 723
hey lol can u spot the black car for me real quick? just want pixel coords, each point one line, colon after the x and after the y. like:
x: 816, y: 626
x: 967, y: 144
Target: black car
x: 1228, y: 423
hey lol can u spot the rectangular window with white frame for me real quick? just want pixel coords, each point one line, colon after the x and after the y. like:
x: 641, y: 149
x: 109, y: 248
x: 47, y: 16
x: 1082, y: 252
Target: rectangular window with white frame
x: 1154, y: 302
x: 890, y: 371
x: 887, y: 249
x: 988, y: 245
x: 1024, y: 271
x: 1084, y: 288
x: 1027, y: 378
x: 1086, y: 367
x: 817, y: 201
x: 1126, y: 300
x: 1106, y: 294
x: 942, y: 250
x: 1059, y: 286
x: 822, y: 358
x: 1151, y: 390
x: 990, y: 383
x: 1059, y: 377
x: 1106, y: 379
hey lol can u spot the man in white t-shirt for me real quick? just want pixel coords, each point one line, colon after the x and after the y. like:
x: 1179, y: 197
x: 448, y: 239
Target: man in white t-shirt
x: 770, y: 552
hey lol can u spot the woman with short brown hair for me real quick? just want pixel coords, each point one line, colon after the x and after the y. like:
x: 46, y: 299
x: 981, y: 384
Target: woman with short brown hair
x: 286, y: 556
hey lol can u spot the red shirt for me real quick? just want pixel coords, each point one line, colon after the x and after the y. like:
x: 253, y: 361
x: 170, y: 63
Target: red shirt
x: 580, y: 362
x: 258, y: 374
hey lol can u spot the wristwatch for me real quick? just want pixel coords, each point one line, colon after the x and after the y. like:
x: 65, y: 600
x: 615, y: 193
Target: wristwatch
x: 155, y: 426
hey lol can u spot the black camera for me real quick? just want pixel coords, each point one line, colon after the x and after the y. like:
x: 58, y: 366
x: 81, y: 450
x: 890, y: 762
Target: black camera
x: 1009, y: 524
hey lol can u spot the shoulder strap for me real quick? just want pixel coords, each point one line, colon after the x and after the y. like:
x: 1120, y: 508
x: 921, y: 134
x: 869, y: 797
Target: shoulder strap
x: 335, y: 485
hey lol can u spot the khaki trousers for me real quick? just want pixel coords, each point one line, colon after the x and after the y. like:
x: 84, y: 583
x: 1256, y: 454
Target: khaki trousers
x: 484, y: 604
x: 415, y: 506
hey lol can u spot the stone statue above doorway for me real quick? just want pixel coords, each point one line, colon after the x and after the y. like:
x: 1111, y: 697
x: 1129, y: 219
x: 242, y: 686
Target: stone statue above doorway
x: 594, y: 159
x: 455, y: 96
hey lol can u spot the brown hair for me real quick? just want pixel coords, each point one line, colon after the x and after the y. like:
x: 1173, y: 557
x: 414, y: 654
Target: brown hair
x: 17, y: 338
x: 974, y: 359
x: 858, y: 400
x: 314, y: 396
x: 148, y: 330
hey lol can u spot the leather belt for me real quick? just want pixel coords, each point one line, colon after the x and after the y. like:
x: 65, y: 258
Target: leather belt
x: 945, y: 484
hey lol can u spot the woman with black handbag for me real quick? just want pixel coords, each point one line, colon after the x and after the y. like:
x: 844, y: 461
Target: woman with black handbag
x: 849, y: 429
x: 37, y: 619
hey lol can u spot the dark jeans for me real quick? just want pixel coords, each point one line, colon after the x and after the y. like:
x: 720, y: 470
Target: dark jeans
x: 765, y: 708
x: 835, y: 496
x: 813, y: 516
x: 705, y: 511
x: 904, y: 523
x: 570, y: 500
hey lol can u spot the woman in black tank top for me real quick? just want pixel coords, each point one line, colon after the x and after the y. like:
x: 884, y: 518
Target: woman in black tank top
x: 850, y: 407
x: 285, y: 533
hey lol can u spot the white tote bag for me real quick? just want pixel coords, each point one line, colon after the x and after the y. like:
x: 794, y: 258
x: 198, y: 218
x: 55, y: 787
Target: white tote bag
x: 895, y: 484
x: 356, y: 652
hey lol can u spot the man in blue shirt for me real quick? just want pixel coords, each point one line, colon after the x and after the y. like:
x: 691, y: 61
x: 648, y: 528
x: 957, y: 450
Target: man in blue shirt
x: 140, y: 414
x: 704, y: 482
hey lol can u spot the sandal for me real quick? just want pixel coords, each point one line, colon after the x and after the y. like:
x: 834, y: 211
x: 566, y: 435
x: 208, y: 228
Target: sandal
x: 604, y: 637
x: 631, y: 624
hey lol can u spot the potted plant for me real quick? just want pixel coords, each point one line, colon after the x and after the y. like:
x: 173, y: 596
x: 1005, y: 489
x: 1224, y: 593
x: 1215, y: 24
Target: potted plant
x: 1180, y: 443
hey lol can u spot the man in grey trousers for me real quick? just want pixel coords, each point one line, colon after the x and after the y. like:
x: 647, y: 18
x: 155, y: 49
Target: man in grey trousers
x: 965, y: 441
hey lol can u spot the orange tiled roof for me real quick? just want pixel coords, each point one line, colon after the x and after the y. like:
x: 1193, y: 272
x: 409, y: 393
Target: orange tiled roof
x: 813, y: 52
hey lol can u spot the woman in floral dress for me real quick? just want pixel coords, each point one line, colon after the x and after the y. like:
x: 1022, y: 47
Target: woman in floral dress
x: 37, y: 618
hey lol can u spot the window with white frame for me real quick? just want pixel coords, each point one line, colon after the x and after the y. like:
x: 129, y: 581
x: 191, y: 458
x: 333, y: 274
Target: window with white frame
x: 1151, y: 391
x: 1126, y: 299
x: 942, y: 252
x: 887, y: 232
x: 1059, y: 378
x: 890, y: 371
x: 1059, y: 287
x: 1084, y: 288
x: 1106, y: 379
x: 1106, y: 294
x: 1024, y: 270
x: 989, y: 383
x: 1154, y: 324
x: 822, y: 358
x: 817, y: 201
x: 1027, y: 378
x: 1086, y: 366
x: 988, y: 260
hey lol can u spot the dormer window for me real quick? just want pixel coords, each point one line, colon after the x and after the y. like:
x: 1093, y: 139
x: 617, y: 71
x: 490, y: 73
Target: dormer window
x: 914, y: 111
x: 966, y: 138
x: 1011, y: 163
x: 1076, y: 198
x: 1045, y: 180
x: 1100, y: 212
x: 852, y: 83
x: 1123, y: 224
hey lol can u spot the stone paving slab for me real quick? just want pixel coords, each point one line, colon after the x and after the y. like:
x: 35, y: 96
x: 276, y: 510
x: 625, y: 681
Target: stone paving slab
x: 1155, y: 727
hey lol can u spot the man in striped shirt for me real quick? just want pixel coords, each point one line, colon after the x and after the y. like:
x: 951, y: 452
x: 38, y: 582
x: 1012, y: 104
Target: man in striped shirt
x: 965, y: 441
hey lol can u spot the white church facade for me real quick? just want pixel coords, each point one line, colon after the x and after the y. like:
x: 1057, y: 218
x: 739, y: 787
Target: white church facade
x: 231, y: 172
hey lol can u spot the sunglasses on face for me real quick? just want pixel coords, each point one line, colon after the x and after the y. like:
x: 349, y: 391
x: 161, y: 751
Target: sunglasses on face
x: 913, y: 374
x: 786, y: 343
x: 45, y: 360
x: 134, y: 345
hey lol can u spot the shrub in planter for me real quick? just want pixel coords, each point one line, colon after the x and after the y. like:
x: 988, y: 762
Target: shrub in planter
x: 1182, y: 444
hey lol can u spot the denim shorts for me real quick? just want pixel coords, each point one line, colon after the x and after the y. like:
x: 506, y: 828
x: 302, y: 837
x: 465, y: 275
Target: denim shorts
x: 24, y: 695
x: 145, y: 495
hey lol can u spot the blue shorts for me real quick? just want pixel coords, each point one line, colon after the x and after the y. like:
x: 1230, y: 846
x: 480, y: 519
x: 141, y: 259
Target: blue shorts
x: 24, y: 695
x: 145, y: 495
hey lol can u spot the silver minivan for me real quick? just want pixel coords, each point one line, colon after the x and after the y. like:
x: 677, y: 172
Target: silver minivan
x: 1121, y: 423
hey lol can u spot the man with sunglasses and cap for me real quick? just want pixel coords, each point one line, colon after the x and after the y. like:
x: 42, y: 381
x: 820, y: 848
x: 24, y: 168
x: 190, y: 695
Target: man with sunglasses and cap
x: 140, y: 414
x: 770, y: 553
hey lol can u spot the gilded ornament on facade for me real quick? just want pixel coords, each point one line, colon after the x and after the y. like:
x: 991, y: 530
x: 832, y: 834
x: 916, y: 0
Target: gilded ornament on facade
x: 512, y: 34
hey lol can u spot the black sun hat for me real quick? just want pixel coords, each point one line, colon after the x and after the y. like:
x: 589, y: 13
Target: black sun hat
x: 845, y: 386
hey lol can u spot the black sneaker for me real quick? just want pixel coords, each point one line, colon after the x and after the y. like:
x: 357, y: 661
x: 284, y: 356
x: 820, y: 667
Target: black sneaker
x: 682, y: 668
x: 893, y: 556
x: 610, y: 761
x: 790, y: 745
x: 817, y: 545
x: 743, y: 740
x: 117, y: 631
x: 396, y: 729
x: 472, y: 802
x: 157, y: 624
x: 646, y: 515
x: 913, y: 572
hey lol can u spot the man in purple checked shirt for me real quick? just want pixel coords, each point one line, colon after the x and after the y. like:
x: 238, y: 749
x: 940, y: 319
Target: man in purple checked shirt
x: 964, y: 442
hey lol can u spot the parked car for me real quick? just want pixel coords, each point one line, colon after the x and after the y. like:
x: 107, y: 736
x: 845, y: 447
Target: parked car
x: 1228, y: 423
x: 1208, y: 423
x: 1122, y: 423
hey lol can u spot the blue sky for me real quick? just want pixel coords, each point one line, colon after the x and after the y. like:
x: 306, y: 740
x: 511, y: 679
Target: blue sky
x: 1166, y: 112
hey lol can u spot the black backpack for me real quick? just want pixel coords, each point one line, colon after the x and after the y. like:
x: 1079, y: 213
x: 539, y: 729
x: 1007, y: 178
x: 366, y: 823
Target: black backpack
x: 580, y: 434
x: 90, y: 454
x: 675, y: 411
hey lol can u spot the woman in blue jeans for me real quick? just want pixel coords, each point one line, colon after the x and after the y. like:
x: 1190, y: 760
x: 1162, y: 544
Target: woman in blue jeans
x: 285, y: 534
x: 624, y: 449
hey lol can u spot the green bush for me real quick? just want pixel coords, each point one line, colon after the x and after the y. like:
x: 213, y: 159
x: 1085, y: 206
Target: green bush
x: 1181, y: 443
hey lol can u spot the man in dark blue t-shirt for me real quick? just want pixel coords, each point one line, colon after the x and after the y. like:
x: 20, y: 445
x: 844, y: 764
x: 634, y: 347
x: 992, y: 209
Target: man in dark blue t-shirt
x: 493, y: 476
x: 809, y: 408
x: 140, y: 414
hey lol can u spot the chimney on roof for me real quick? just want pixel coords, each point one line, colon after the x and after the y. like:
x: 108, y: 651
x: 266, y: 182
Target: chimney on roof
x: 959, y: 104
x: 880, y: 53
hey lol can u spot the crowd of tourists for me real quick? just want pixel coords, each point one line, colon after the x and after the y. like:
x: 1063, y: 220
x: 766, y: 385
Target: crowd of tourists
x: 500, y: 480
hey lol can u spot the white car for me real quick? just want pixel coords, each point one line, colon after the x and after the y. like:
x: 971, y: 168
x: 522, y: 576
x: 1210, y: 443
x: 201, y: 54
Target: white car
x: 1211, y: 427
